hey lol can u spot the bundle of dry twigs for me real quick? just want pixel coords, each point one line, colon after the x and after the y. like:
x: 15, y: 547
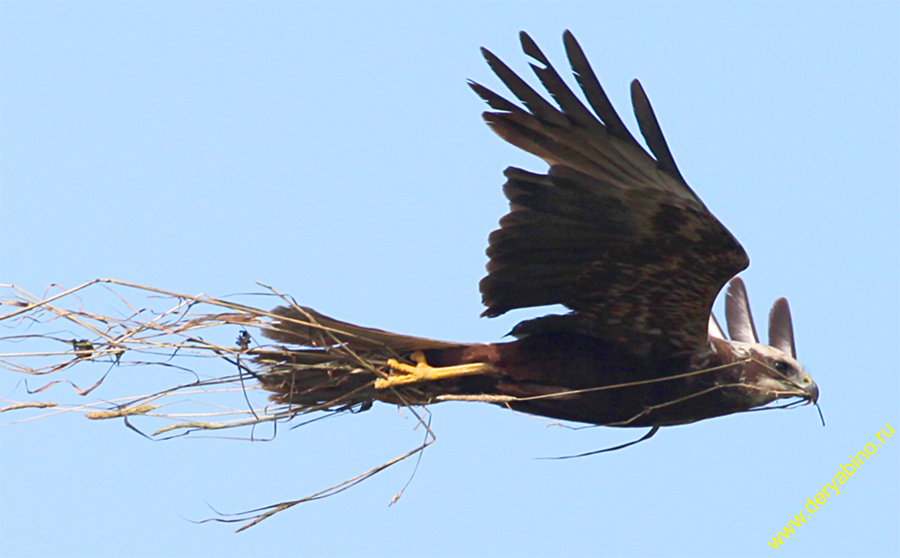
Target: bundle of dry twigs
x: 211, y: 365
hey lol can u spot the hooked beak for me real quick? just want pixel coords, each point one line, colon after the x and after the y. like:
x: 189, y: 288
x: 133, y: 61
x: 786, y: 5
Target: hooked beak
x: 812, y: 392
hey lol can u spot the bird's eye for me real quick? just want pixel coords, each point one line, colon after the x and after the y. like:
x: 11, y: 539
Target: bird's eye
x: 781, y: 366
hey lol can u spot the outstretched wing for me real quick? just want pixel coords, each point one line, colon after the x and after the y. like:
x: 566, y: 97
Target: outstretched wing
x: 609, y: 231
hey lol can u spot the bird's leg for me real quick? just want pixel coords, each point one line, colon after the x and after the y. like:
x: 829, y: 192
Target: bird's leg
x: 422, y: 372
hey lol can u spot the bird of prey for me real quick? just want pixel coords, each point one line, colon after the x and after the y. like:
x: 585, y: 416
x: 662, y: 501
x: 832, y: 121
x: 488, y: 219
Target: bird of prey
x: 611, y: 232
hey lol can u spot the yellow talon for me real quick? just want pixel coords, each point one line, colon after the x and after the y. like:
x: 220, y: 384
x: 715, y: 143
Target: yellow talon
x: 422, y: 372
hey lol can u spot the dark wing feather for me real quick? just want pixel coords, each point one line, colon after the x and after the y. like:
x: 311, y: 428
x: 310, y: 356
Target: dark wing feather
x: 609, y: 231
x: 652, y: 132
x: 781, y: 328
x: 737, y: 313
x: 592, y: 89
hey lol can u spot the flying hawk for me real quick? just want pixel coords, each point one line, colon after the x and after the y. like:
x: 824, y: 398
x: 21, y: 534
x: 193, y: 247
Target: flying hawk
x: 610, y: 231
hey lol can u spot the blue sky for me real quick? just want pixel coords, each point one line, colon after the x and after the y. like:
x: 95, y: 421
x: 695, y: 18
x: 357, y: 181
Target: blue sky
x: 334, y: 151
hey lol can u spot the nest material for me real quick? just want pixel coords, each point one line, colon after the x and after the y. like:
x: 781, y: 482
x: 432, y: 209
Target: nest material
x: 213, y: 364
x: 60, y: 341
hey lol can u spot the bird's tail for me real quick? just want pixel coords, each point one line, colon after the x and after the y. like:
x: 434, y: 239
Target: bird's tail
x: 327, y: 364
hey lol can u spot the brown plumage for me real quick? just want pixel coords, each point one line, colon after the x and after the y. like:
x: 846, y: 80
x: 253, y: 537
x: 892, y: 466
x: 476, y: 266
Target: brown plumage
x: 611, y: 232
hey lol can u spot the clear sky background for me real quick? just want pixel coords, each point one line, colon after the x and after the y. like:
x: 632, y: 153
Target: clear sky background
x: 335, y: 152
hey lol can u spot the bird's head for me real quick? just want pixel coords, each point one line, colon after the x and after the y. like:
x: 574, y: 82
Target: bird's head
x: 778, y: 375
x: 772, y: 371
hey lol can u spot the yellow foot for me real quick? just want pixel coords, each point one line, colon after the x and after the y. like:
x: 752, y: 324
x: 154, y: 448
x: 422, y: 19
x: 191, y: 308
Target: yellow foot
x: 422, y: 372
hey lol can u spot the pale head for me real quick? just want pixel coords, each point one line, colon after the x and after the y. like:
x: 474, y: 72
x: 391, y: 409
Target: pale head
x: 773, y: 371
